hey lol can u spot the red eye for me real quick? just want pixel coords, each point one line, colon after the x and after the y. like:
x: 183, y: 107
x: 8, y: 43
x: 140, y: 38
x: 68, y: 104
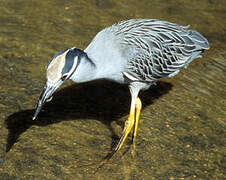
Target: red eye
x: 63, y: 77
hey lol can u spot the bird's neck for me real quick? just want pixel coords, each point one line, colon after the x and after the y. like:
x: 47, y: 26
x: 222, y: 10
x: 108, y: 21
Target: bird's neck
x: 85, y: 71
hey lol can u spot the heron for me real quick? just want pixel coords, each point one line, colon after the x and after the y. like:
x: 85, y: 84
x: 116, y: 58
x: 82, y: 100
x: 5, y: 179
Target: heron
x: 135, y: 52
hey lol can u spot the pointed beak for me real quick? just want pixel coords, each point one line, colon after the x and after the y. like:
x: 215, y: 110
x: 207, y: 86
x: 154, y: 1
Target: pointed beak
x: 45, y: 96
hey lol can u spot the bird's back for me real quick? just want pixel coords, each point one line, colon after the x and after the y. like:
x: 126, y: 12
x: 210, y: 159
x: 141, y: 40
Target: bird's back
x: 150, y: 49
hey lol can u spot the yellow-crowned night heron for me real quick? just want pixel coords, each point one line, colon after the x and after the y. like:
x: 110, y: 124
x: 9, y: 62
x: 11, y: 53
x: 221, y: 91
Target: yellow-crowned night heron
x: 136, y: 52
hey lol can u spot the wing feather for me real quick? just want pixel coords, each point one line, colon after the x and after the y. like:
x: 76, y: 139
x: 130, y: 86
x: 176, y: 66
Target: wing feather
x: 162, y: 48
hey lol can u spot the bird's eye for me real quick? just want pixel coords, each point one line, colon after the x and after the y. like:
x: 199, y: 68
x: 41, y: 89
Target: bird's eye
x: 63, y: 77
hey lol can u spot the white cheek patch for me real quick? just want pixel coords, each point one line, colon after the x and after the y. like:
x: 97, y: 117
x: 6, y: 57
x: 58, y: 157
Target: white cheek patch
x: 74, y: 65
x: 55, y: 68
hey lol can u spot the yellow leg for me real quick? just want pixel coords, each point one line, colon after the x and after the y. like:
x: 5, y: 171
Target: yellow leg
x: 135, y: 109
x: 128, y: 126
x: 135, y: 105
x: 138, y: 109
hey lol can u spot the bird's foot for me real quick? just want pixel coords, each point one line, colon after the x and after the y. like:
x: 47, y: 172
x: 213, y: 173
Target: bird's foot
x: 128, y: 126
x: 133, y: 119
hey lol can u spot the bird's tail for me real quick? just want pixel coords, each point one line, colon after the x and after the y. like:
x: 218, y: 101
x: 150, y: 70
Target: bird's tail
x: 200, y: 41
x: 201, y: 44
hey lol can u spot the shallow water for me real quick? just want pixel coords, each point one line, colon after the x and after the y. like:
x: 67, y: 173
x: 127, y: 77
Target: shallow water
x: 182, y: 127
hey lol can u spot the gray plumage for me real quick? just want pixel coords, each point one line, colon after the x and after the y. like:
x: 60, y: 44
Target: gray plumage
x: 136, y: 52
x: 148, y: 49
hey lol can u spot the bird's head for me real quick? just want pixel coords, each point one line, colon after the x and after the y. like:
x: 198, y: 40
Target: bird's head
x: 59, y: 69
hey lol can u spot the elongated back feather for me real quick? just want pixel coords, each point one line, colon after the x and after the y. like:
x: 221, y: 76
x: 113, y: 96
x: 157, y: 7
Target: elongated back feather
x: 161, y: 48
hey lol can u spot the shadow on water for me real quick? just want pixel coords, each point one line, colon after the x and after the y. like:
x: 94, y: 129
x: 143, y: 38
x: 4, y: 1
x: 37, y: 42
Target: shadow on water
x: 100, y: 100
